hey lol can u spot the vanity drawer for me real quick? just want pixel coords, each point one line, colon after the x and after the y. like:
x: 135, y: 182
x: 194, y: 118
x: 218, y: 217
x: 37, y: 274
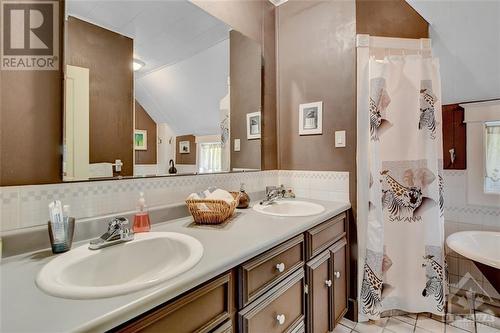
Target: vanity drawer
x: 279, y: 310
x: 199, y: 311
x: 324, y: 235
x: 263, y: 272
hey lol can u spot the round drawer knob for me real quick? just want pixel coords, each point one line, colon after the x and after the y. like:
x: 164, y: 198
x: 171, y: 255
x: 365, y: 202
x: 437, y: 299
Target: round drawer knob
x: 280, y: 267
x: 280, y: 319
x: 337, y: 275
x: 328, y: 283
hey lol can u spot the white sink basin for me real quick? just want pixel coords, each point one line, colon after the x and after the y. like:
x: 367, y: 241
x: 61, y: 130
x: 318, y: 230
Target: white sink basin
x: 290, y: 208
x: 480, y: 246
x: 151, y: 258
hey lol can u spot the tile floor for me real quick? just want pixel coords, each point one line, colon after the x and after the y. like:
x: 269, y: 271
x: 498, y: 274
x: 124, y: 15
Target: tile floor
x: 479, y: 322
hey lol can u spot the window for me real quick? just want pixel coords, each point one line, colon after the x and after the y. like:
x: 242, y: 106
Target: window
x: 492, y: 157
x: 210, y: 157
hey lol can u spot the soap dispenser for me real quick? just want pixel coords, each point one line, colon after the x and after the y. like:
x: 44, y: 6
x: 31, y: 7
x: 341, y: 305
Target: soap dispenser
x: 244, y: 198
x: 141, y: 219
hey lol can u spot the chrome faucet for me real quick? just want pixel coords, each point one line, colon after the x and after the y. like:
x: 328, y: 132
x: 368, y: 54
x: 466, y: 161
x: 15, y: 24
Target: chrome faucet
x: 118, y: 232
x: 273, y: 193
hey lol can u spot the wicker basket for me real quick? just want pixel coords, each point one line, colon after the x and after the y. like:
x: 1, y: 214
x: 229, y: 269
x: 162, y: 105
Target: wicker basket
x: 206, y: 211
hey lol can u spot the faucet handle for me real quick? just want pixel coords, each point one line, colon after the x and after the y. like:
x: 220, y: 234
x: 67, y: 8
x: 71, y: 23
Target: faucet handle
x: 270, y: 189
x: 282, y: 189
x: 118, y: 223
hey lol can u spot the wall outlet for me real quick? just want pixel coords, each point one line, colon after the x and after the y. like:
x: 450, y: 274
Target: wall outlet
x: 237, y: 145
x: 339, y: 139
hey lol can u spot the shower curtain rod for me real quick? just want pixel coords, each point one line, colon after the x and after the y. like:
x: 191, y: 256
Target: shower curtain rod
x: 367, y: 41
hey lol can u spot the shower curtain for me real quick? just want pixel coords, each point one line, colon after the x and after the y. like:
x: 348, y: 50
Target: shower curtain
x: 404, y: 230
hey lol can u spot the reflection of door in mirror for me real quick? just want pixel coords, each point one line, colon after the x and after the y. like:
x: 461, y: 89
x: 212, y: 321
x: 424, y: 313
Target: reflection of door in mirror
x: 108, y: 56
x: 76, y: 124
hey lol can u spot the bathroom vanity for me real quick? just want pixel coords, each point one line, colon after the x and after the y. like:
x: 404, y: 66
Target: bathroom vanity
x: 258, y: 273
x: 299, y: 285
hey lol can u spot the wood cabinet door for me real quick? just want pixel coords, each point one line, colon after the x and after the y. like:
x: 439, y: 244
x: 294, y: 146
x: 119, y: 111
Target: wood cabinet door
x: 340, y: 279
x: 454, y: 137
x: 319, y: 293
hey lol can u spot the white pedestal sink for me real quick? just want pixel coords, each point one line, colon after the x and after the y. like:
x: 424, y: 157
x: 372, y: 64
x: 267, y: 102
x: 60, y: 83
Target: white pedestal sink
x: 480, y: 246
x: 151, y: 258
x: 290, y: 208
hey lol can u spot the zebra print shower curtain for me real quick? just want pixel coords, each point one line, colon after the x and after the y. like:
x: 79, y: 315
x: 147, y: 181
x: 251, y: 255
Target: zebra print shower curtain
x: 403, y: 264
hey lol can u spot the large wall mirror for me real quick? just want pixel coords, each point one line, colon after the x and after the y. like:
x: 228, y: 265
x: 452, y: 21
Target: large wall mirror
x: 157, y: 88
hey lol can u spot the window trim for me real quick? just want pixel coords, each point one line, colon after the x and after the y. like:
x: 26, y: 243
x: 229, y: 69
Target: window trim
x: 476, y: 116
x: 495, y: 123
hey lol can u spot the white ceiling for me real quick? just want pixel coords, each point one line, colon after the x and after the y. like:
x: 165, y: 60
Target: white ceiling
x: 466, y: 38
x: 164, y: 31
x: 187, y: 95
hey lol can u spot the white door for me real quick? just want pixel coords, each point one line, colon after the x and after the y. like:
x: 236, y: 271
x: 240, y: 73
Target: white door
x: 76, y: 124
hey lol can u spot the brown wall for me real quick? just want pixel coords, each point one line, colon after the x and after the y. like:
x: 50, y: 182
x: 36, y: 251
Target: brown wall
x: 389, y: 18
x: 144, y: 122
x: 31, y: 124
x: 256, y: 20
x: 109, y: 56
x: 245, y: 74
x: 269, y: 138
x: 316, y: 62
x: 185, y: 158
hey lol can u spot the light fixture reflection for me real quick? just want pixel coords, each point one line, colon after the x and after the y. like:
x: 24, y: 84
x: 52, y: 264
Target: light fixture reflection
x: 138, y: 64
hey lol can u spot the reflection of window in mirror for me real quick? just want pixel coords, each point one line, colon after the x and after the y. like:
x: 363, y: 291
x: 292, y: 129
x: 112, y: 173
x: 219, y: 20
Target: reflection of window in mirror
x: 492, y: 157
x: 210, y: 158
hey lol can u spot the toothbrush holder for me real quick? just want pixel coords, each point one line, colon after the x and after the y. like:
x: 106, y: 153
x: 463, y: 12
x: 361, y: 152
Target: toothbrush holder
x: 68, y: 240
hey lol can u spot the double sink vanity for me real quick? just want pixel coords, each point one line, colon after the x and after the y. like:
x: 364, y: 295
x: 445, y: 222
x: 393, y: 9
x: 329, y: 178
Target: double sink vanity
x: 269, y: 269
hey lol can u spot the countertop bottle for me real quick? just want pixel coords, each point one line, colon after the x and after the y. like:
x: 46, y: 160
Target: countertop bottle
x: 244, y: 198
x: 141, y: 219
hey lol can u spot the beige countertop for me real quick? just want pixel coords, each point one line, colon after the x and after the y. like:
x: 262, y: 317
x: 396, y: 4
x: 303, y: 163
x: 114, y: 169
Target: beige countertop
x: 25, y: 308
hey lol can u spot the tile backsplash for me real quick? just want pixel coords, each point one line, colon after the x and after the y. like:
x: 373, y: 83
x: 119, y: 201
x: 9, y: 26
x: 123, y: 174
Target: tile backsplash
x: 26, y: 206
x: 460, y: 216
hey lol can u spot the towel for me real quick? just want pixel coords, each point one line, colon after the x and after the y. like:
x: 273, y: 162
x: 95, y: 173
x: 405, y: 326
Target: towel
x: 213, y: 193
x: 98, y: 170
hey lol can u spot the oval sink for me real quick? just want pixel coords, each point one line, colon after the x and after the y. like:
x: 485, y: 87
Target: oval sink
x: 290, y: 208
x: 151, y: 258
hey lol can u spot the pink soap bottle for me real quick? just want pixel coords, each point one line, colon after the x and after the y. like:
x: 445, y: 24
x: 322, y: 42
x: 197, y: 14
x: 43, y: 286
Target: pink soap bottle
x: 141, y: 219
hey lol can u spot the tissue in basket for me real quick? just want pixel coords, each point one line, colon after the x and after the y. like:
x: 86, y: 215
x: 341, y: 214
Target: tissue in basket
x: 210, y: 211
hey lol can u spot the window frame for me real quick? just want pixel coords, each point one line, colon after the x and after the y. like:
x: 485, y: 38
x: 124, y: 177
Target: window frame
x: 476, y: 117
x: 495, y: 123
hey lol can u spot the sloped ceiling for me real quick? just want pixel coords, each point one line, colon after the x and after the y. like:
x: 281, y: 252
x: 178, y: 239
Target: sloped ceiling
x: 466, y: 39
x: 187, y: 95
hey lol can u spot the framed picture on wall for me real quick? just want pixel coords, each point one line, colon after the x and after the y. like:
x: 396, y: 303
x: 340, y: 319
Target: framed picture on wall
x: 253, y: 125
x: 140, y: 139
x: 184, y: 147
x: 311, y: 118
